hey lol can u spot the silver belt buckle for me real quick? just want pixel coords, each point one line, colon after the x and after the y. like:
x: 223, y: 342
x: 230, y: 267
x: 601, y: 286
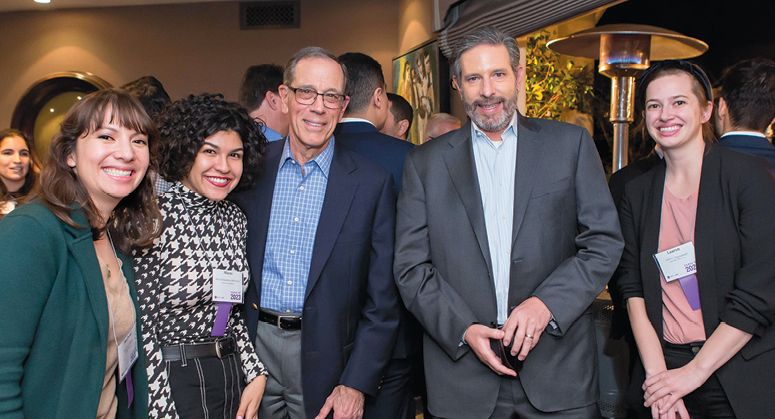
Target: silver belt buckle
x: 280, y: 318
x: 218, y: 347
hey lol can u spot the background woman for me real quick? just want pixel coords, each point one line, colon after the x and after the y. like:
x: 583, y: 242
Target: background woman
x: 196, y: 364
x: 66, y: 305
x: 705, y: 338
x: 16, y: 169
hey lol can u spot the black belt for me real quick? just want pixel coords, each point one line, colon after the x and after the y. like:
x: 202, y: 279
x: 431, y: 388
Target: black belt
x: 692, y: 348
x: 219, y: 348
x: 282, y: 322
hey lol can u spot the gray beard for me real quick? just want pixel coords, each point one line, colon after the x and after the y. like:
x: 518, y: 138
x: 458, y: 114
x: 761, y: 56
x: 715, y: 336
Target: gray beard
x: 494, y: 123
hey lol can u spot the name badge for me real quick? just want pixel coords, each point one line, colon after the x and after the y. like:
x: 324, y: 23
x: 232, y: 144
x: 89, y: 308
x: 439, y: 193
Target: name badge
x: 127, y: 354
x: 677, y: 262
x: 227, y: 286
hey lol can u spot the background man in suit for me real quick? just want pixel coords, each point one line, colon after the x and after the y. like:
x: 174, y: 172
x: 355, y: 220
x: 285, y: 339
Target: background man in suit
x: 359, y: 131
x: 746, y: 107
x: 259, y: 94
x: 366, y: 115
x: 506, y: 212
x: 439, y: 124
x: 400, y: 119
x: 322, y: 306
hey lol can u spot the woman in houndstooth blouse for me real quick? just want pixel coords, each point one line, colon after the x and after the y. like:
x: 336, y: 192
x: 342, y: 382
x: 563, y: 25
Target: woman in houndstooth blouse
x: 200, y: 361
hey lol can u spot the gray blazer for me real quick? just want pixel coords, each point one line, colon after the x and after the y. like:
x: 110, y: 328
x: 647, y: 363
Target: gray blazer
x: 566, y: 245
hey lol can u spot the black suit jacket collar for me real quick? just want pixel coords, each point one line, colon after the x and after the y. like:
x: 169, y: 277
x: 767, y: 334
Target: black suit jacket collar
x: 354, y: 126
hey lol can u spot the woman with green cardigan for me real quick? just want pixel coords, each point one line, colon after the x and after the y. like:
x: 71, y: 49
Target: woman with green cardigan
x: 68, y: 314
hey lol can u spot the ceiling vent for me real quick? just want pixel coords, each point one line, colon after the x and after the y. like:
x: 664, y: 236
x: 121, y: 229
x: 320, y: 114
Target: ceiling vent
x: 270, y: 14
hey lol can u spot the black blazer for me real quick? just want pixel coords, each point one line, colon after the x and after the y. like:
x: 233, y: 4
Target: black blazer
x: 620, y: 323
x: 733, y: 236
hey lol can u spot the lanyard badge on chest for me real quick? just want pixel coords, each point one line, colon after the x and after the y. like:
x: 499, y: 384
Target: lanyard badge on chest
x: 227, y: 284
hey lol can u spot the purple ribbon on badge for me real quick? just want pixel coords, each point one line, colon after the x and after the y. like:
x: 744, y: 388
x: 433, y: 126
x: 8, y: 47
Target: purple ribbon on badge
x: 129, y: 389
x: 691, y: 290
x: 221, y: 318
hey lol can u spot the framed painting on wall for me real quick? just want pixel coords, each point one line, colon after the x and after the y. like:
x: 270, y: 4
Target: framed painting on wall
x: 421, y: 76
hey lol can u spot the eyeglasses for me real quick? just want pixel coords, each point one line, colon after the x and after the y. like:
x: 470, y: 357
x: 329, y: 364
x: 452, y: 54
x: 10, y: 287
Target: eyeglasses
x: 309, y: 96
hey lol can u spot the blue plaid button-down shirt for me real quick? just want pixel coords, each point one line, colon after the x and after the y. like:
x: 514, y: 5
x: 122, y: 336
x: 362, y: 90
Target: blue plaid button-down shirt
x: 296, y: 204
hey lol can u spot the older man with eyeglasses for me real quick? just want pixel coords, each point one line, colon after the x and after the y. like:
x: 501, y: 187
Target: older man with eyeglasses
x: 322, y: 306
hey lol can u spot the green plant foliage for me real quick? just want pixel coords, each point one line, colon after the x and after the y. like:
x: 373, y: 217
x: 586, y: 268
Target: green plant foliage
x: 553, y: 86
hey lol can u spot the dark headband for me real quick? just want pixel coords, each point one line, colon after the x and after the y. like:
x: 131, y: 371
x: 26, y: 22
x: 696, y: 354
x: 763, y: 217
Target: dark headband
x: 682, y: 65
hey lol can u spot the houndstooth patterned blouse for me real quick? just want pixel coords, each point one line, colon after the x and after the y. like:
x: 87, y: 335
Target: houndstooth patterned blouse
x: 174, y: 284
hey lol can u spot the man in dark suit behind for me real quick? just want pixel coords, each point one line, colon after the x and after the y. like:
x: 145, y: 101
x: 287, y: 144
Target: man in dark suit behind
x: 506, y: 221
x: 321, y: 306
x: 366, y: 114
x: 746, y: 107
x: 359, y: 131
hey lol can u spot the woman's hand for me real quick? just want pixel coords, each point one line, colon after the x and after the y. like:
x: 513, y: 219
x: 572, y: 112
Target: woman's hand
x: 251, y: 398
x: 670, y: 386
x: 677, y: 411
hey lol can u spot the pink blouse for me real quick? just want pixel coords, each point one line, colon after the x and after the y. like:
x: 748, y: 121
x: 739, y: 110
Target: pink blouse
x: 680, y: 324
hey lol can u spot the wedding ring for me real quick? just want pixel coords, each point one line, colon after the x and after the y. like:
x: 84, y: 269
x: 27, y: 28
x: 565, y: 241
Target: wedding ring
x: 528, y: 336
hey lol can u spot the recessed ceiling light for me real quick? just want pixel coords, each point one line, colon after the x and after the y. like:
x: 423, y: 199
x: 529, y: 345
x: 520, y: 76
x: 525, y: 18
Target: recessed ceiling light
x: 43, y: 1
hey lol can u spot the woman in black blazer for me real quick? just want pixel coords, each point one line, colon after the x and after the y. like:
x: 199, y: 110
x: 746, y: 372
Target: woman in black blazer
x: 730, y: 370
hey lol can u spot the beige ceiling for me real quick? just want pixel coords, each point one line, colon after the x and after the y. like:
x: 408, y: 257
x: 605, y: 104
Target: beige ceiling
x: 9, y: 5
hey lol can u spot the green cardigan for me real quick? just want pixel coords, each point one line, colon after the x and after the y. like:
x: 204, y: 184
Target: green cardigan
x: 54, y: 320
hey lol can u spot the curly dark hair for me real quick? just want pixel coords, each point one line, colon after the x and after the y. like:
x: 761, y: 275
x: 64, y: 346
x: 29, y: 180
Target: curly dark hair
x: 187, y: 123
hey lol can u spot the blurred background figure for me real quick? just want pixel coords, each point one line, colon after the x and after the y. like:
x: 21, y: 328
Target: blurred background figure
x: 154, y: 98
x: 151, y: 93
x: 439, y: 124
x: 746, y: 107
x: 259, y: 95
x: 17, y: 164
x: 400, y: 118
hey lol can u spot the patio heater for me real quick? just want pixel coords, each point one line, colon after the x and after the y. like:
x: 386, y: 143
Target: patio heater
x: 624, y: 51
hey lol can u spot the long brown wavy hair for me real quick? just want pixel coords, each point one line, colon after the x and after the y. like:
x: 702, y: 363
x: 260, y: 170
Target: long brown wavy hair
x: 136, y: 220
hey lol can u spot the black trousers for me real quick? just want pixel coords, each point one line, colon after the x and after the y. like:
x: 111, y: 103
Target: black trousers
x: 207, y: 388
x: 394, y: 399
x: 709, y: 400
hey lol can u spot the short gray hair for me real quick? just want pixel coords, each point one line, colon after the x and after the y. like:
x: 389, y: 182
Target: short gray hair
x: 487, y: 35
x: 444, y: 117
x: 313, y: 52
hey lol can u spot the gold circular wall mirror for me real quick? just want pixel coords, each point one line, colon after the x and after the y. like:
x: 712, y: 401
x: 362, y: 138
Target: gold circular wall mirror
x: 43, y: 107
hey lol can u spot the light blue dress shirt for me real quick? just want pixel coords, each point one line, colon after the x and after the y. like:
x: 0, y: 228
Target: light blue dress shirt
x: 495, y: 167
x: 296, y: 204
x: 272, y: 135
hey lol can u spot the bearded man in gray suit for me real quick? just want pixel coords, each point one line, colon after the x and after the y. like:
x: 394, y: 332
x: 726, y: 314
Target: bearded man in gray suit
x: 506, y: 233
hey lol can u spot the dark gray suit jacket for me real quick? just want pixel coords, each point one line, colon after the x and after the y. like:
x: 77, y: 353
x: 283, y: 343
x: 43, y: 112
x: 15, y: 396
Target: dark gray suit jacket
x: 566, y: 245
